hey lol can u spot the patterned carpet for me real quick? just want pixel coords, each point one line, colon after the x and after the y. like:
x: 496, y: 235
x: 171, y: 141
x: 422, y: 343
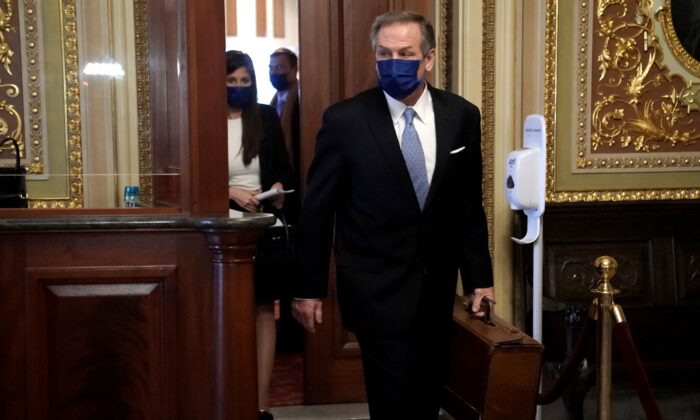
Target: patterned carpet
x: 287, y: 385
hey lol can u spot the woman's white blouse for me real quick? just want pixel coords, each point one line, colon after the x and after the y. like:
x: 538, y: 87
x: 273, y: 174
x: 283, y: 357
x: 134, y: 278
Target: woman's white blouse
x: 239, y: 175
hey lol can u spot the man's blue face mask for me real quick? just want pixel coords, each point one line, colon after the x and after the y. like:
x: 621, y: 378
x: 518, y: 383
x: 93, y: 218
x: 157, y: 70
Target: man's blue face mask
x: 279, y: 81
x: 398, y: 78
x: 239, y: 96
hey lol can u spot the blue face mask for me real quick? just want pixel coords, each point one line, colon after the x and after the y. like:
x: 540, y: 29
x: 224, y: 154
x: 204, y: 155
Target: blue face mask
x: 398, y: 78
x: 279, y: 81
x: 239, y: 96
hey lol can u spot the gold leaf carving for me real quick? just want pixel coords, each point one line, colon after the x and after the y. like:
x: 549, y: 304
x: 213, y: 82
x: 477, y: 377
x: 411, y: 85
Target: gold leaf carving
x: 10, y: 118
x: 5, y: 52
x: 612, y: 87
x: 637, y: 104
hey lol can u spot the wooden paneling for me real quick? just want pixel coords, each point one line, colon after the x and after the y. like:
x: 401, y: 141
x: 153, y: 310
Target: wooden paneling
x: 358, y: 60
x: 127, y: 324
x: 165, y: 148
x: 233, y: 333
x: 13, y: 332
x: 101, y: 331
x: 687, y: 254
x: 261, y: 18
x: 571, y: 272
x: 278, y: 18
x: 205, y: 168
x: 657, y: 246
x: 231, y: 18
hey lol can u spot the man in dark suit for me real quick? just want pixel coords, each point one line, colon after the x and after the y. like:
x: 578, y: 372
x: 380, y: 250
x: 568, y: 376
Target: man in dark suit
x: 397, y: 176
x: 283, y: 76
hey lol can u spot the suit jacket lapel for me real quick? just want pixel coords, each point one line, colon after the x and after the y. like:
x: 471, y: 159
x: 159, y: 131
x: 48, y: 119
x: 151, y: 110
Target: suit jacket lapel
x: 444, y: 134
x: 380, y: 123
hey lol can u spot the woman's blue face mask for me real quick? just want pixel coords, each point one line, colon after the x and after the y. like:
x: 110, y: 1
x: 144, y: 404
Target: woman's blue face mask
x: 239, y: 96
x: 398, y: 78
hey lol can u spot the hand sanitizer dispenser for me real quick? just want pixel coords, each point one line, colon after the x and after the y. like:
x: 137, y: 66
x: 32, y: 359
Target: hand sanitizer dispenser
x: 521, y: 179
x: 525, y: 188
x: 525, y: 176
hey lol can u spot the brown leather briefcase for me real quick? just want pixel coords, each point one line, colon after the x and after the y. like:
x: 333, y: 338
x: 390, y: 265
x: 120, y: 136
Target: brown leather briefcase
x: 494, y: 369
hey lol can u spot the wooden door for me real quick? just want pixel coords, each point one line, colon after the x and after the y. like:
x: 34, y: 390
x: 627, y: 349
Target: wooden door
x: 336, y: 62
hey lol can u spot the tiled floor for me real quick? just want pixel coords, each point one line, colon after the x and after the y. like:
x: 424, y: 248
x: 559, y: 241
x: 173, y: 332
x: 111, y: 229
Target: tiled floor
x: 327, y: 412
x: 674, y: 405
x: 322, y: 412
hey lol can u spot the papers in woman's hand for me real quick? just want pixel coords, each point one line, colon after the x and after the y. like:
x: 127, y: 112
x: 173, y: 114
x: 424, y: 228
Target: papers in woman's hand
x: 272, y: 193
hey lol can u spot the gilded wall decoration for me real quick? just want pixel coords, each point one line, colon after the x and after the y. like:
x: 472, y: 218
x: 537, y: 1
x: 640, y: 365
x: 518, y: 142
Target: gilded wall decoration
x: 143, y: 98
x: 488, y: 61
x: 640, y: 114
x: 33, y: 64
x: 445, y: 36
x: 11, y: 108
x: 623, y: 123
x: 65, y: 190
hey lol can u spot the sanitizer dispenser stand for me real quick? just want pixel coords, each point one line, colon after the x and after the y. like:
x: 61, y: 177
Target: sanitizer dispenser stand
x: 525, y: 189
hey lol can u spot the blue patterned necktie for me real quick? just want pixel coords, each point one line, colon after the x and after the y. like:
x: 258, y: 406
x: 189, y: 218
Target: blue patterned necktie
x: 280, y: 106
x: 414, y: 157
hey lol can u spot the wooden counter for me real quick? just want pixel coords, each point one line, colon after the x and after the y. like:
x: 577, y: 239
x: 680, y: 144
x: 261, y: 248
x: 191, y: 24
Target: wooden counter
x: 145, y: 317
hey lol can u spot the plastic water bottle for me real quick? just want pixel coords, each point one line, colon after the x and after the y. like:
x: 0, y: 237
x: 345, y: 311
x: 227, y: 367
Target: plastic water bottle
x: 131, y: 195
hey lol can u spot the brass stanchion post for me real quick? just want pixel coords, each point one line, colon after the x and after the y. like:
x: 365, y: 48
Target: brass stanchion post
x: 606, y: 267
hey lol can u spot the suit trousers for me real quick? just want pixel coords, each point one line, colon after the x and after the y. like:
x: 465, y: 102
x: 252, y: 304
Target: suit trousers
x: 405, y: 374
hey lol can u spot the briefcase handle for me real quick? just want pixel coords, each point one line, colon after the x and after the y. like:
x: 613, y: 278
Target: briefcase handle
x: 485, y: 307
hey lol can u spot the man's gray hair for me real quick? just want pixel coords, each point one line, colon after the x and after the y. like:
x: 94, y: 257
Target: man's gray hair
x: 404, y: 16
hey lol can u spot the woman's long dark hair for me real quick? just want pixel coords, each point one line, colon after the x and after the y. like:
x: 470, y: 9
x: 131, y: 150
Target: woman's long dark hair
x: 250, y: 114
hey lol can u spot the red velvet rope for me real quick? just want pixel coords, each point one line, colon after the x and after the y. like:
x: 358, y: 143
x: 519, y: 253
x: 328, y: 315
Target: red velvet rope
x: 571, y: 366
x: 636, y: 370
x: 632, y: 360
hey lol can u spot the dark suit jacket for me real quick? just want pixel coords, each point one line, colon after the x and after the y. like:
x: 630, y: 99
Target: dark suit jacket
x: 274, y: 160
x: 290, y: 123
x: 290, y: 127
x: 390, y: 258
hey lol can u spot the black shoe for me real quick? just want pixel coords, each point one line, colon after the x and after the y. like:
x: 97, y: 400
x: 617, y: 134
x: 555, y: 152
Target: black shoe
x: 264, y: 415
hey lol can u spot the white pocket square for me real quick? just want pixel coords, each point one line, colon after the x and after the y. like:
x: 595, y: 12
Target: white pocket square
x: 455, y: 151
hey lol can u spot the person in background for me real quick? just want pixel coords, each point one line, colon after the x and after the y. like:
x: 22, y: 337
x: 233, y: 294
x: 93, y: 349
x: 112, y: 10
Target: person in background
x: 395, y: 187
x: 258, y: 161
x: 283, y: 76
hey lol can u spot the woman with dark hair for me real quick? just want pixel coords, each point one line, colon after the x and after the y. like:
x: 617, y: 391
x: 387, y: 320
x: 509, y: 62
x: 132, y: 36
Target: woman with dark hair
x: 258, y: 161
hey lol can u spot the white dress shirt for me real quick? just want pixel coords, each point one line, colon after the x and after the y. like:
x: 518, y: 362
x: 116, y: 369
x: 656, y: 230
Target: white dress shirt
x: 424, y: 122
x: 281, y: 101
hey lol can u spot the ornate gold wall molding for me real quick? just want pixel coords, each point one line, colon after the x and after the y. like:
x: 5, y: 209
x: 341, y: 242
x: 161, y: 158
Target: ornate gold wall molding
x: 685, y: 59
x: 445, y: 37
x: 10, y: 93
x: 637, y: 103
x: 488, y: 111
x: 32, y: 62
x: 621, y: 128
x: 143, y: 97
x: 73, y: 145
x: 550, y: 97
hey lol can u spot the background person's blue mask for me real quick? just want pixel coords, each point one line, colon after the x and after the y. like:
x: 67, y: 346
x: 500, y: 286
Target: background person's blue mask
x: 279, y: 81
x: 398, y: 78
x: 239, y: 96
